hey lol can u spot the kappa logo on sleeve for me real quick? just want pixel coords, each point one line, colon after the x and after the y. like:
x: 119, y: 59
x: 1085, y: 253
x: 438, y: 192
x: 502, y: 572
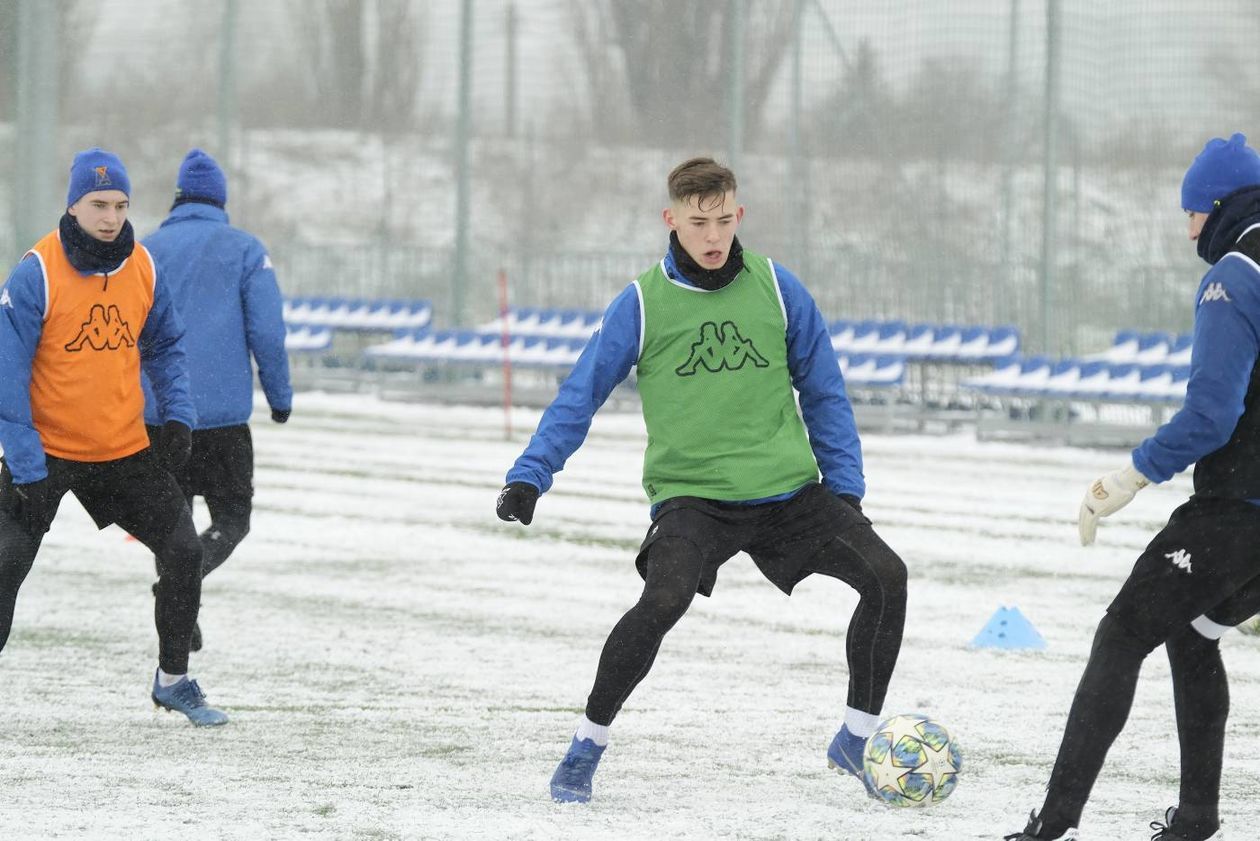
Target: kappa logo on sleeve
x: 266, y: 261
x: 5, y: 300
x: 1214, y: 292
x: 103, y: 331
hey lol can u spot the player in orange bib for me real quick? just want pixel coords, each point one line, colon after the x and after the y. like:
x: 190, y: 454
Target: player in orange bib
x: 80, y: 316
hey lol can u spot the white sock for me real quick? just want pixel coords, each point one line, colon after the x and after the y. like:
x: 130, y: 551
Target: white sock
x: 860, y: 723
x: 165, y: 680
x: 587, y: 729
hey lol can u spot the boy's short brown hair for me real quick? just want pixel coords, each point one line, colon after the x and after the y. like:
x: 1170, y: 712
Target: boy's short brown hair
x: 701, y: 177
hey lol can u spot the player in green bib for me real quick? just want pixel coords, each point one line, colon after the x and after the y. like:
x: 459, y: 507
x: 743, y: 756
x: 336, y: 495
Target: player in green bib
x: 723, y: 341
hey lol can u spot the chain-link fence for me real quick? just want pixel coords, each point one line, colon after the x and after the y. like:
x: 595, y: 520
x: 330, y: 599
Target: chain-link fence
x: 895, y: 155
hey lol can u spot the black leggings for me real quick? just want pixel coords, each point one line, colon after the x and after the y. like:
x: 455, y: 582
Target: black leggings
x: 178, y: 589
x: 857, y: 557
x: 1101, y: 708
x: 229, y: 523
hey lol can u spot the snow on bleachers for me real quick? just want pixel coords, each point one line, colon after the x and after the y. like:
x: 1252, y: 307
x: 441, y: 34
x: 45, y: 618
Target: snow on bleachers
x: 470, y: 347
x: 358, y: 314
x: 873, y: 370
x: 963, y: 344
x: 547, y: 323
x: 1155, y: 348
x: 307, y: 339
x: 1086, y: 379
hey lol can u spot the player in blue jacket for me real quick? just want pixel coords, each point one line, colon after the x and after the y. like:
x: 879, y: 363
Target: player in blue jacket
x: 222, y: 284
x: 1199, y: 576
x: 721, y: 339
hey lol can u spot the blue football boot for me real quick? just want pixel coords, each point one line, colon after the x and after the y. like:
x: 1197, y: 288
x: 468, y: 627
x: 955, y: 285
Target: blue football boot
x: 845, y: 752
x: 845, y: 755
x: 186, y: 697
x: 572, y: 781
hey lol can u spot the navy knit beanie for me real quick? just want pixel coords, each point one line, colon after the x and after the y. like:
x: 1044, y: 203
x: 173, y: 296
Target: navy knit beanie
x: 1221, y: 168
x: 200, y: 178
x: 95, y: 169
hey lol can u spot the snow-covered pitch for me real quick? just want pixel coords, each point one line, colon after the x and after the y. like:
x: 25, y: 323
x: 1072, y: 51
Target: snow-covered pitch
x: 400, y: 664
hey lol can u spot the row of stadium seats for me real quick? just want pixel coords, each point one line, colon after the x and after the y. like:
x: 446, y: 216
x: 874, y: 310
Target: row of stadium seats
x: 472, y: 347
x: 872, y: 370
x: 1087, y: 379
x: 553, y: 323
x: 298, y: 339
x: 926, y: 342
x: 358, y: 314
x: 1148, y: 348
x: 942, y: 342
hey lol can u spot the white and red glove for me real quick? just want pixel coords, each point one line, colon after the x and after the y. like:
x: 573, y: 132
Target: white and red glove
x: 1106, y: 496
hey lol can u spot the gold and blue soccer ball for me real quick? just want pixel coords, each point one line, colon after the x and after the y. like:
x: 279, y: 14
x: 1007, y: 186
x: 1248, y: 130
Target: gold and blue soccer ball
x: 911, y: 760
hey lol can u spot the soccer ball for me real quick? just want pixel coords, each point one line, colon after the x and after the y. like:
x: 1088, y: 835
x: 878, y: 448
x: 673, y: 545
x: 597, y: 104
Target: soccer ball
x: 910, y: 760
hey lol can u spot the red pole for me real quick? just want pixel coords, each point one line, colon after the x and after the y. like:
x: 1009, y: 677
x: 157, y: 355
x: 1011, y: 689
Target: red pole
x: 505, y: 340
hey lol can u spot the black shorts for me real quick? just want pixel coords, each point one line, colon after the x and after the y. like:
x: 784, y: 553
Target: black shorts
x: 1205, y: 562
x: 221, y: 465
x: 781, y: 537
x: 134, y: 492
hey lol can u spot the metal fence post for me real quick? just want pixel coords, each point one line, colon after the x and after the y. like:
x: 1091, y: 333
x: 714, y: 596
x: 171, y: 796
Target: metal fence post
x: 1049, y: 208
x: 463, y: 134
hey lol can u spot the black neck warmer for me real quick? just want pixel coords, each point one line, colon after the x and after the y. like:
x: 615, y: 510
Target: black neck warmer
x: 710, y: 279
x: 88, y: 254
x: 1234, y: 214
x: 197, y: 200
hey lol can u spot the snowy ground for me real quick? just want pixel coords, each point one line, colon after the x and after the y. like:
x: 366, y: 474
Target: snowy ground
x: 400, y: 664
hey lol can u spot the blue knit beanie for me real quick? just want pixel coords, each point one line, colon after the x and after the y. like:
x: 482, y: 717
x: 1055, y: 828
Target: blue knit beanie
x: 95, y: 169
x: 201, y: 178
x: 1221, y: 168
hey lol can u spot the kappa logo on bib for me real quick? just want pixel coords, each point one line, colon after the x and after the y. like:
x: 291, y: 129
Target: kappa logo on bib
x: 103, y: 330
x: 720, y: 349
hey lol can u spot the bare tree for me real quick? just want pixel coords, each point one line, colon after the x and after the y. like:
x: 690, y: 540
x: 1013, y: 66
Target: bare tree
x: 857, y: 117
x: 660, y: 70
x: 359, y: 63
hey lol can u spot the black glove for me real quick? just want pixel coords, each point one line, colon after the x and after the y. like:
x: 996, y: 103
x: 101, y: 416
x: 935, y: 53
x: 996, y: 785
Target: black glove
x: 34, y: 510
x: 516, y: 502
x: 280, y: 415
x: 854, y: 502
x: 174, y: 446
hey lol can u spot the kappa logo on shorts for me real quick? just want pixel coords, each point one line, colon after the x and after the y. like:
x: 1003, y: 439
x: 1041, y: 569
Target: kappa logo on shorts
x: 1180, y: 559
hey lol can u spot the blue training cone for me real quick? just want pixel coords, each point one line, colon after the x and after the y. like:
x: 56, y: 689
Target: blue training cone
x: 1009, y: 629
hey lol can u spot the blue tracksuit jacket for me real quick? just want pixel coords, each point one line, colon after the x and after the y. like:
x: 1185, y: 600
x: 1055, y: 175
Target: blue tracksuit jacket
x: 1226, y: 347
x: 222, y: 283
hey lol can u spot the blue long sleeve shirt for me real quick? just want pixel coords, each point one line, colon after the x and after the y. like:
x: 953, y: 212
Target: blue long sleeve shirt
x: 614, y: 349
x: 1225, y: 349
